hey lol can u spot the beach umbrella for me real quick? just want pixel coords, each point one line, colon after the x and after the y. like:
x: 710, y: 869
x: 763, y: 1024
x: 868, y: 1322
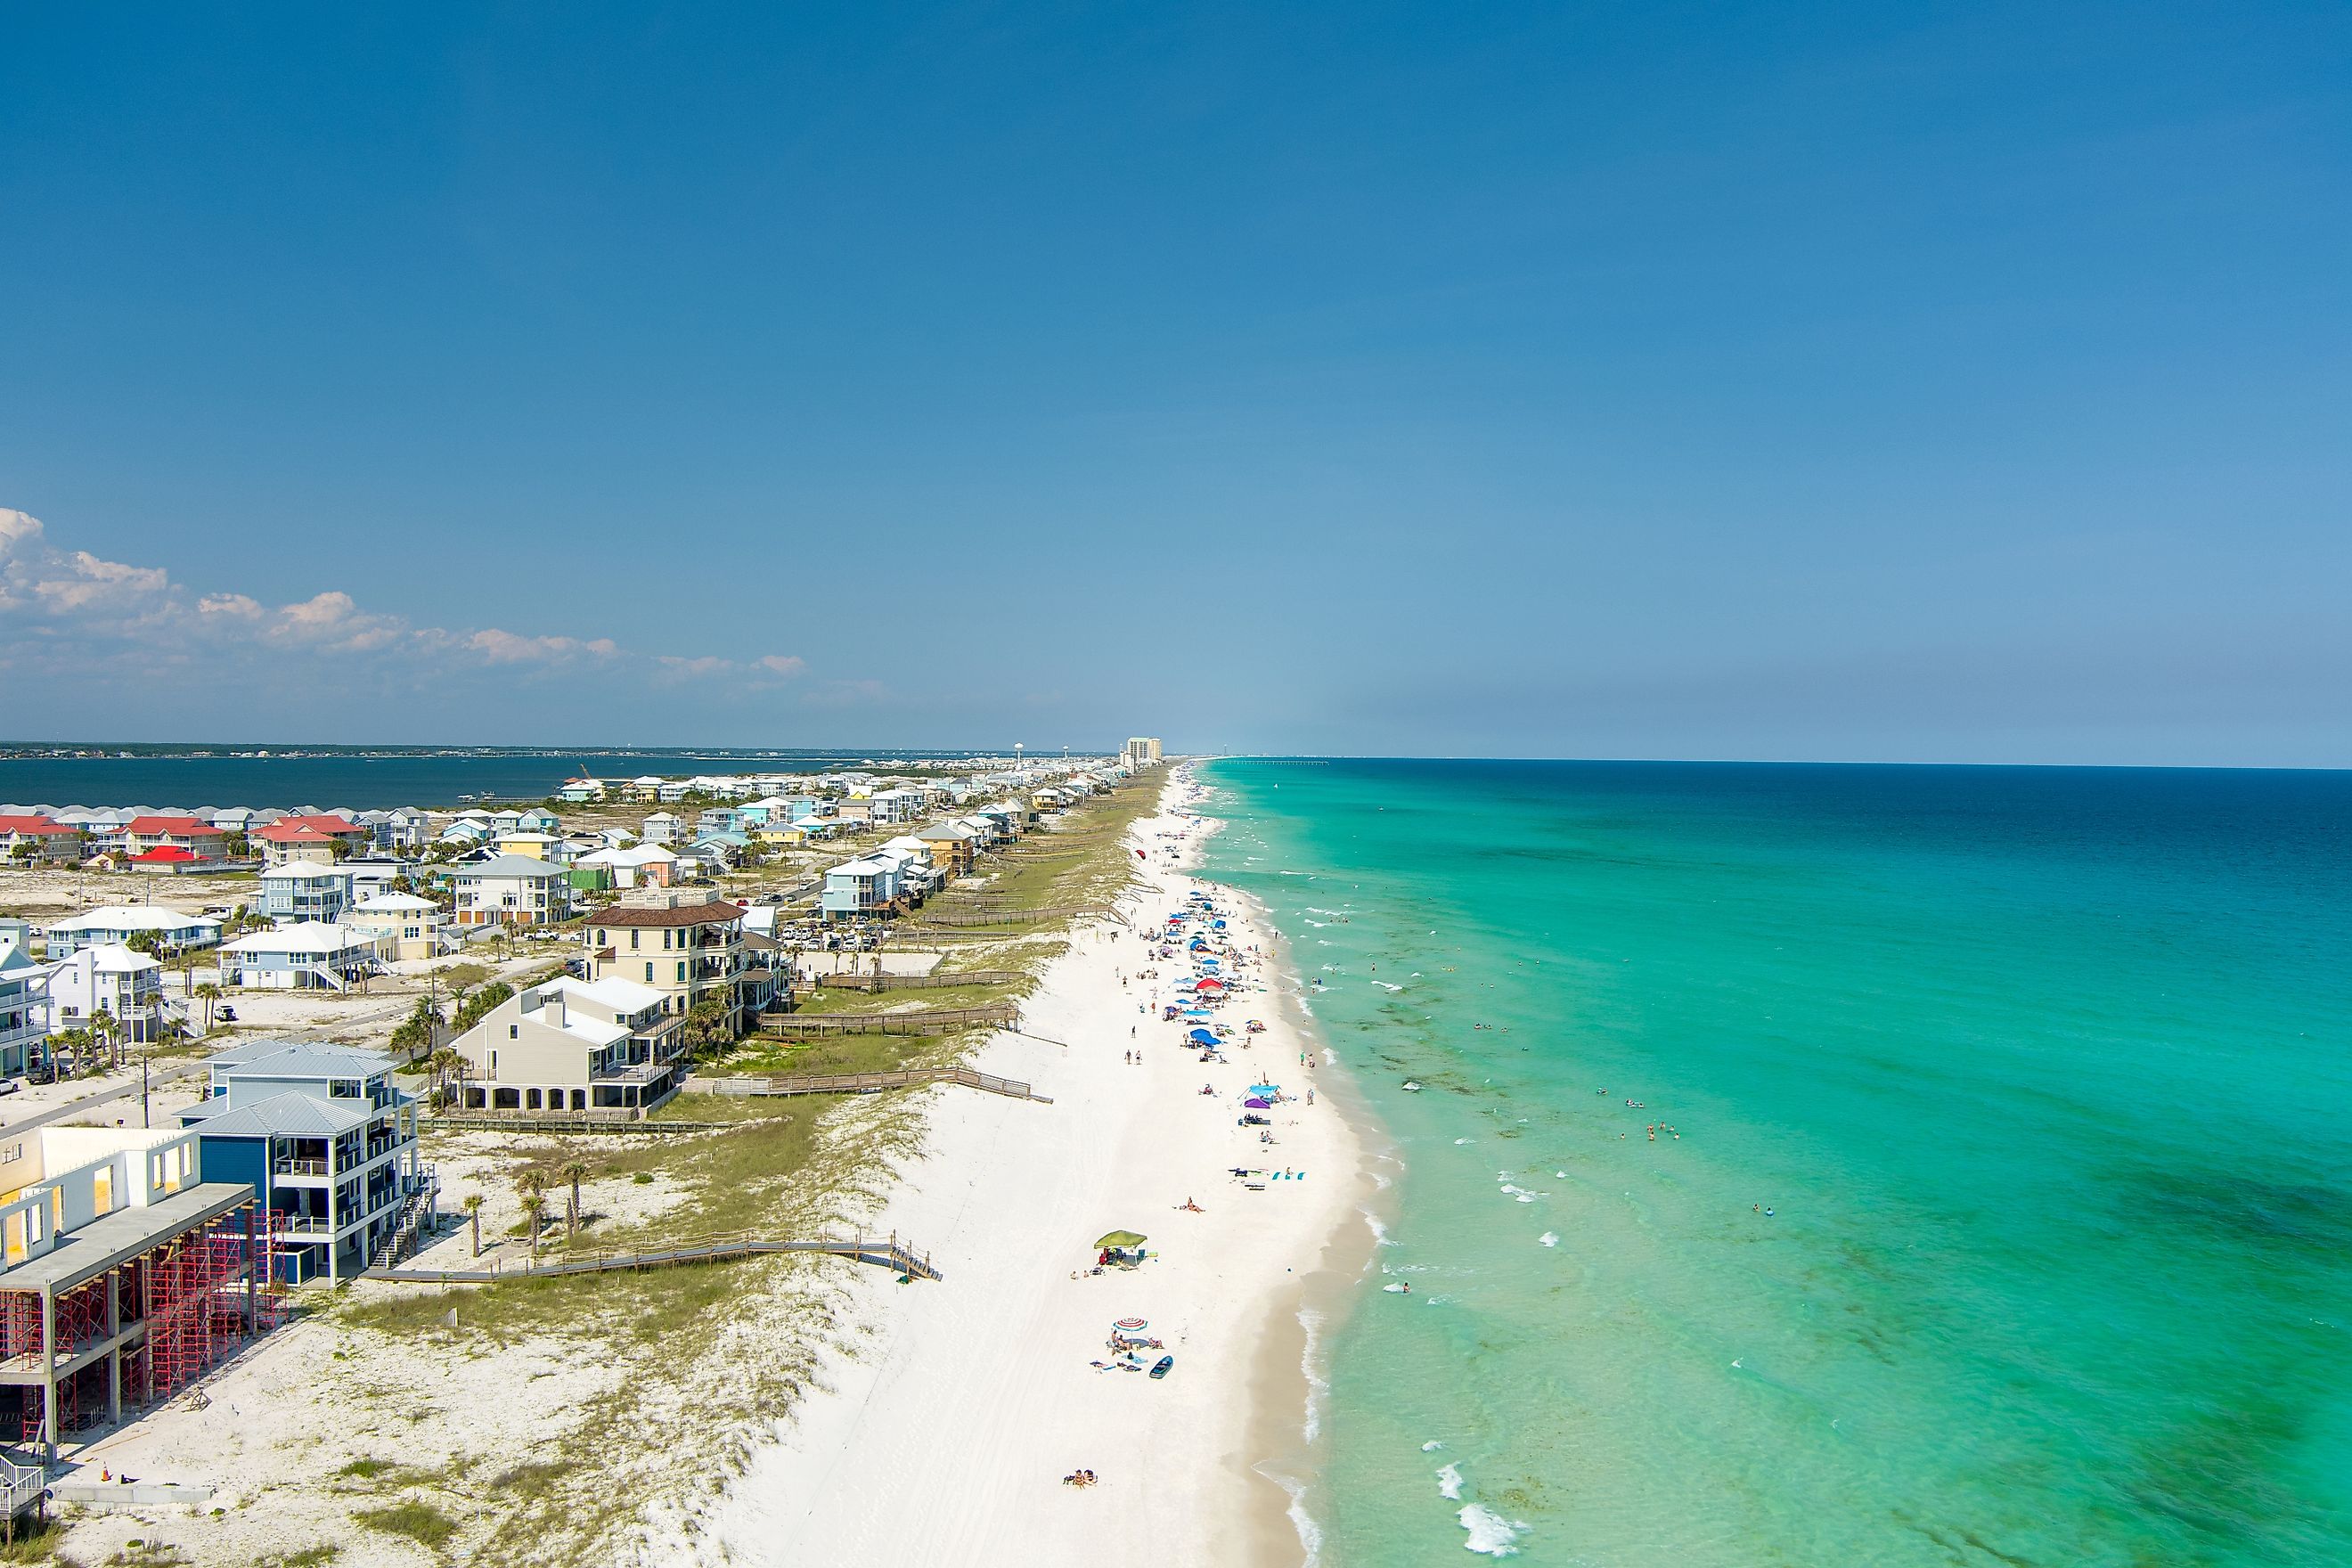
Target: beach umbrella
x: 1256, y: 1103
x: 1266, y: 1088
x: 1216, y: 925
x: 1202, y: 1036
x: 1119, y: 1239
x: 1131, y: 1325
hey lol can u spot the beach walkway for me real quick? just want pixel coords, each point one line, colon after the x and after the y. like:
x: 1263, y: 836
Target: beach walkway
x: 890, y: 1252
x: 868, y: 1083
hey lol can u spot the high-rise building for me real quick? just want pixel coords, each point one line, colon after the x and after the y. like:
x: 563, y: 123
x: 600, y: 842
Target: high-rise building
x: 1142, y: 751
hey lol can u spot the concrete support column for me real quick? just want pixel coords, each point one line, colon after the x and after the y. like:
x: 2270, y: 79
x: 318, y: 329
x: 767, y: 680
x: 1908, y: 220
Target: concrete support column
x: 115, y: 1356
x: 49, y: 1376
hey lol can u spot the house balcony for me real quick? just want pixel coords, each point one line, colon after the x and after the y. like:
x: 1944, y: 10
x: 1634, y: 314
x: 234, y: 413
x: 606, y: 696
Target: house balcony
x: 295, y: 1166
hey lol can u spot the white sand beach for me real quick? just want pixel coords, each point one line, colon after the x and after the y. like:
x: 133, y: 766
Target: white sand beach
x: 949, y: 1434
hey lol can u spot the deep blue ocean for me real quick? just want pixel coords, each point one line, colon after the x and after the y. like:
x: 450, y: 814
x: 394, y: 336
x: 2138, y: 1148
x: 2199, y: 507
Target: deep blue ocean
x: 362, y: 783
x: 1984, y: 1196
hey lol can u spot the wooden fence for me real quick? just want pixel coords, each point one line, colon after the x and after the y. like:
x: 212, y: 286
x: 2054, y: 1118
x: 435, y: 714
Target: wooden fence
x: 1002, y: 916
x: 914, y: 1021
x: 867, y: 1083
x: 919, y: 981
x: 890, y: 1252
x: 570, y: 1121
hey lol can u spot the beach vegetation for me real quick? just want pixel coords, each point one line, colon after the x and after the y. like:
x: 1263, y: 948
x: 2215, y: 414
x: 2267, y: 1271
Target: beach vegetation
x: 417, y: 1520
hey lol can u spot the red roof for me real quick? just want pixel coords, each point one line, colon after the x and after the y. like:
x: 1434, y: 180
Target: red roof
x: 145, y: 826
x: 306, y: 829
x: 164, y: 854
x: 39, y: 824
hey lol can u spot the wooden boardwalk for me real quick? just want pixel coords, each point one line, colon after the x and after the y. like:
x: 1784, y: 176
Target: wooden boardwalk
x: 867, y: 1083
x: 890, y: 1252
x: 919, y: 981
x: 914, y: 1021
x: 979, y: 917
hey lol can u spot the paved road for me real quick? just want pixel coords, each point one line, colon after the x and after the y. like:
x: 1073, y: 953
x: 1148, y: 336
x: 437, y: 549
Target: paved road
x: 156, y: 1079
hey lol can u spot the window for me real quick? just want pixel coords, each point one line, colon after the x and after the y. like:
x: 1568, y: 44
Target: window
x: 632, y: 941
x: 682, y: 972
x: 649, y: 972
x: 514, y: 1031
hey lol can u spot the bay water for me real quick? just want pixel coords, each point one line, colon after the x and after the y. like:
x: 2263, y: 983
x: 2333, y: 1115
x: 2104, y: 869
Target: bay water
x: 1984, y: 1195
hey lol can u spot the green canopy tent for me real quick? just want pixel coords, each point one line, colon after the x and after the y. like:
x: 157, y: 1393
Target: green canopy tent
x: 1120, y: 1239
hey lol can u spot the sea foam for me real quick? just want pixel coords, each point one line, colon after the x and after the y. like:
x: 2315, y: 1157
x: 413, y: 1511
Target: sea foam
x: 1490, y: 1532
x: 1449, y: 1483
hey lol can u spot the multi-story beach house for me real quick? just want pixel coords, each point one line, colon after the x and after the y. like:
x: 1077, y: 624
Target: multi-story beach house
x: 84, y: 1213
x: 309, y: 955
x: 401, y: 925
x: 686, y: 942
x: 323, y: 1134
x: 322, y: 839
x: 305, y: 891
x: 583, y: 792
x: 162, y: 831
x: 174, y: 932
x: 868, y: 886
x: 512, y: 889
x: 32, y: 836
x: 609, y: 1045
x: 23, y: 1001
x: 111, y: 979
x: 951, y: 847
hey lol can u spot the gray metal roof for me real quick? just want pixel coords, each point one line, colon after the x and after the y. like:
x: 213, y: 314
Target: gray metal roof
x: 289, y: 1115
x: 300, y: 1058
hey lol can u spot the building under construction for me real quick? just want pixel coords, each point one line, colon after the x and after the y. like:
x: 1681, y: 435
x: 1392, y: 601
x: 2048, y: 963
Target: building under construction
x: 126, y: 1277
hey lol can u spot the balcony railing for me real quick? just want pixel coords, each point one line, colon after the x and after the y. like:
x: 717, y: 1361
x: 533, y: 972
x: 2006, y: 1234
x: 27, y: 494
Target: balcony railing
x: 295, y: 1166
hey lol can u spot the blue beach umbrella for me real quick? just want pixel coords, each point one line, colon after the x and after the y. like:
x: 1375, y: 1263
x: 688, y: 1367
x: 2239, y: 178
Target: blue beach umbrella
x: 1266, y: 1088
x: 1201, y: 1038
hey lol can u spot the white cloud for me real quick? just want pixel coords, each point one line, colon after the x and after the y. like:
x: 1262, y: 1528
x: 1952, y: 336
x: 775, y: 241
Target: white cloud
x: 63, y: 611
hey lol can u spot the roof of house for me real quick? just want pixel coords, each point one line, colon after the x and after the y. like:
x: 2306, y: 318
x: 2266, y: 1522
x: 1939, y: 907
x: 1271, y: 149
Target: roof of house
x: 131, y: 917
x: 394, y: 903
x: 164, y: 854
x: 302, y: 871
x: 612, y: 993
x: 303, y: 936
x: 291, y: 1114
x: 512, y: 866
x: 40, y: 824
x: 300, y: 1058
x: 717, y: 913
x: 179, y: 825
x: 302, y: 830
x: 945, y: 831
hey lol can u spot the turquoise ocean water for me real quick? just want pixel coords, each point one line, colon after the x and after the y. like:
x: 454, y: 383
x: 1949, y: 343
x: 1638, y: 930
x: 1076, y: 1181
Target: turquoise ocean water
x: 2044, y: 1075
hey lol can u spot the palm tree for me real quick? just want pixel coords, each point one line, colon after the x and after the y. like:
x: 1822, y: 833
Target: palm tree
x: 446, y: 1065
x: 574, y: 1173
x: 532, y: 1185
x: 209, y: 994
x: 108, y: 1029
x: 472, y: 1207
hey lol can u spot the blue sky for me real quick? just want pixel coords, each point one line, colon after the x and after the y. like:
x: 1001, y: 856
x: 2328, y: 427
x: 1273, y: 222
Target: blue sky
x: 1953, y: 383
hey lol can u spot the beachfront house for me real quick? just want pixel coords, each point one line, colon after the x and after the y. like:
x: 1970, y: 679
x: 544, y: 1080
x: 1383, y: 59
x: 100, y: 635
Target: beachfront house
x: 111, y: 979
x: 322, y: 839
x: 30, y: 837
x: 403, y: 926
x: 686, y: 942
x: 306, y: 956
x: 530, y: 846
x: 720, y: 819
x: 645, y: 866
x: 949, y: 847
x: 582, y: 792
x: 861, y: 887
x: 161, y: 830
x: 174, y: 932
x: 512, y: 890
x: 323, y: 1134
x: 538, y: 819
x: 24, y: 1002
x: 305, y: 891
x: 609, y: 1045
x: 95, y: 1222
